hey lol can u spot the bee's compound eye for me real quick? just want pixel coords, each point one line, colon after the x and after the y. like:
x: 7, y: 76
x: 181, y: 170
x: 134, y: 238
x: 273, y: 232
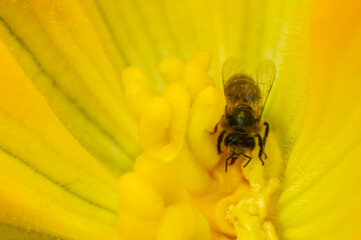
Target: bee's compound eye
x: 232, y: 139
x: 248, y: 142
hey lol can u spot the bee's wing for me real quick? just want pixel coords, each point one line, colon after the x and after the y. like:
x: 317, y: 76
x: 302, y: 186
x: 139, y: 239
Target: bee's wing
x: 232, y: 68
x: 265, y: 75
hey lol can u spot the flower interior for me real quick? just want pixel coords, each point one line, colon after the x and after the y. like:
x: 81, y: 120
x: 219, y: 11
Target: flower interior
x: 178, y: 188
x: 75, y: 163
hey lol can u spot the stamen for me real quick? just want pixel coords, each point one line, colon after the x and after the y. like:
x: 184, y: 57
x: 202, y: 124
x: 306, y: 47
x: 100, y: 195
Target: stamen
x: 178, y: 188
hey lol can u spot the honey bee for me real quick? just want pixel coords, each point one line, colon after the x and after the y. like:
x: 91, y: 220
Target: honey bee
x: 246, y: 95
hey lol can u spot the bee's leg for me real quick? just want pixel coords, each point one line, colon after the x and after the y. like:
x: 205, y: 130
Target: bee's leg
x: 261, y: 146
x: 233, y: 160
x: 249, y: 159
x: 265, y: 137
x: 266, y: 132
x: 219, y: 141
x: 229, y: 157
x: 214, y: 130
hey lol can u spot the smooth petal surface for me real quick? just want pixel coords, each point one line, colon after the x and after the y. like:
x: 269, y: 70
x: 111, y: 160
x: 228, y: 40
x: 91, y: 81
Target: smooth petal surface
x: 321, y: 198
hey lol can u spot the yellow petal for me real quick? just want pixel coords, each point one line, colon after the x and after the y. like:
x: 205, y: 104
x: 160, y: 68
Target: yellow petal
x: 49, y: 182
x: 321, y: 197
x: 86, y: 85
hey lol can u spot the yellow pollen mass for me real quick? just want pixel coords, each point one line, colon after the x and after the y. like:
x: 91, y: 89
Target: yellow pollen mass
x: 178, y: 188
x: 138, y: 90
x: 172, y: 69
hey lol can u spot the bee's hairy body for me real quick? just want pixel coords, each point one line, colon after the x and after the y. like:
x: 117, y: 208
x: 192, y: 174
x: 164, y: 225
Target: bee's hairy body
x: 241, y: 123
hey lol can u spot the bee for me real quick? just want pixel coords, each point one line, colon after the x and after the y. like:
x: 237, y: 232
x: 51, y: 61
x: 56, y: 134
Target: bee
x: 246, y: 95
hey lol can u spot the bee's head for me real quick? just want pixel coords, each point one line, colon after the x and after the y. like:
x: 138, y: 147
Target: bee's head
x: 241, y: 117
x: 236, y: 141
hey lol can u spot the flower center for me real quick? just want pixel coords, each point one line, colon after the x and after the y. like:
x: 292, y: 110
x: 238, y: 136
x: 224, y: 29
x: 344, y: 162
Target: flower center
x: 179, y: 188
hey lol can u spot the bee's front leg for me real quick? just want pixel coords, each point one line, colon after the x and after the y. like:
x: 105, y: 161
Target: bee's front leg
x: 219, y: 141
x: 266, y: 132
x: 261, y: 148
x: 249, y: 159
x: 230, y: 157
x: 214, y: 130
x: 265, y: 138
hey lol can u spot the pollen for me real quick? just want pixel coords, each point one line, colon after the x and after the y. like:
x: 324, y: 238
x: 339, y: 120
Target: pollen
x: 178, y: 188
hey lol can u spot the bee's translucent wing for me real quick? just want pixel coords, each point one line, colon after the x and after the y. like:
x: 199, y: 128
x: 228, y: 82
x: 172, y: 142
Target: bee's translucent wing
x: 232, y: 68
x: 265, y: 75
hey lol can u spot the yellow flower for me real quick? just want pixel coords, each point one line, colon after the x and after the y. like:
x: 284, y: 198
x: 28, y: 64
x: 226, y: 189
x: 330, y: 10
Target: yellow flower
x: 67, y: 135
